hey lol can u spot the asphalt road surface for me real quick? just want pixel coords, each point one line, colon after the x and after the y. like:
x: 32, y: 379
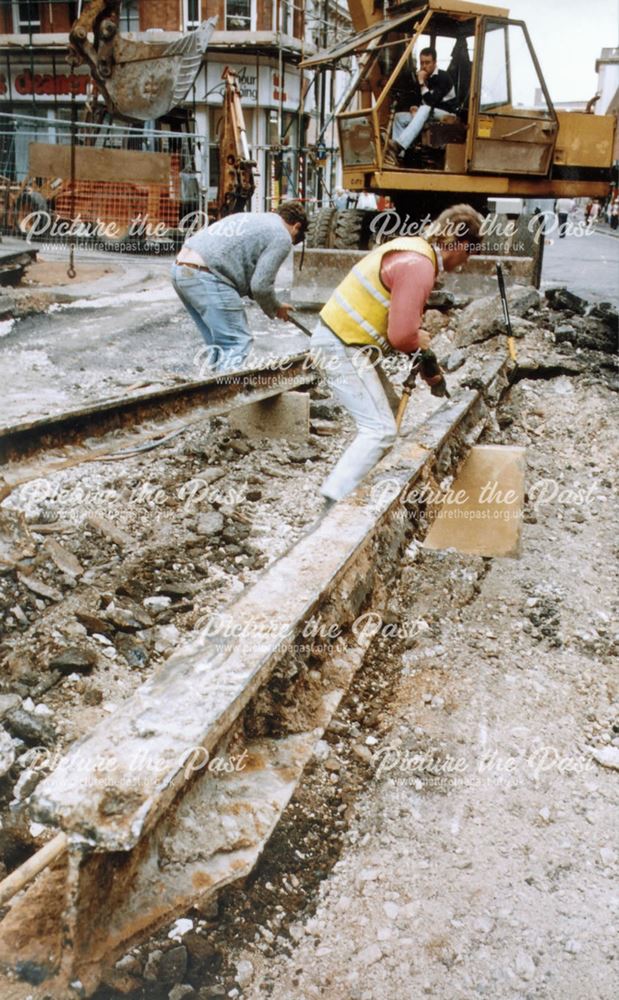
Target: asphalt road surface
x: 587, y: 265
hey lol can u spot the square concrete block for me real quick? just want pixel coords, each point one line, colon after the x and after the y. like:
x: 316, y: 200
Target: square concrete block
x: 482, y: 512
x: 283, y: 416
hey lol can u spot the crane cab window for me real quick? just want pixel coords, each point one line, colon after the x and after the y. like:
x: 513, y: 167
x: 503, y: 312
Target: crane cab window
x: 510, y: 81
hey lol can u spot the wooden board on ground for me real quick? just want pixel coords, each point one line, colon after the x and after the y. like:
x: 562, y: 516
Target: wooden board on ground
x: 481, y: 514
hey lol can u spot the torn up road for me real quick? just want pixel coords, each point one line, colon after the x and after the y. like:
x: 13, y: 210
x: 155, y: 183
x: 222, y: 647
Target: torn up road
x: 462, y: 807
x: 454, y: 835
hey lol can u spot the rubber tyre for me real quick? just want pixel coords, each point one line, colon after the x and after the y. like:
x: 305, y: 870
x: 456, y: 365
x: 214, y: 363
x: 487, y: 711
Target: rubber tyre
x: 319, y: 229
x: 348, y: 229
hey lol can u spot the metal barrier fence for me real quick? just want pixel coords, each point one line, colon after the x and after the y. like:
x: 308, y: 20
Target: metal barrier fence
x: 111, y: 186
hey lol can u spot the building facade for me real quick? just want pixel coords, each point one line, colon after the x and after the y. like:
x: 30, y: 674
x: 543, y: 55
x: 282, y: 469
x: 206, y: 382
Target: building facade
x: 262, y: 40
x: 607, y: 69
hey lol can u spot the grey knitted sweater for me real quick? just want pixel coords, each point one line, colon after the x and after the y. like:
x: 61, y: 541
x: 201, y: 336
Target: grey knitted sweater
x: 246, y: 250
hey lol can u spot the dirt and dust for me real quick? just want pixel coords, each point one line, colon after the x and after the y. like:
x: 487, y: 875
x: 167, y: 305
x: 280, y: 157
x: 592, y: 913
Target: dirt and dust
x: 481, y: 850
x: 106, y: 566
x: 454, y: 835
x: 54, y: 272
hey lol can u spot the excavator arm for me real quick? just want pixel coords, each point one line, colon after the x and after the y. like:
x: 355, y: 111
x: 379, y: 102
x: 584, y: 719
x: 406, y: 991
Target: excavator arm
x: 138, y: 80
x: 236, y: 168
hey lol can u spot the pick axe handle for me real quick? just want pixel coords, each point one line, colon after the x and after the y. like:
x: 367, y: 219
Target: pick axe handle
x: 299, y: 325
x: 508, y: 323
x: 406, y: 395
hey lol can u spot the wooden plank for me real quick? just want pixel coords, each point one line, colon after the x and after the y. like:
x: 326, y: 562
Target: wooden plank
x: 93, y: 164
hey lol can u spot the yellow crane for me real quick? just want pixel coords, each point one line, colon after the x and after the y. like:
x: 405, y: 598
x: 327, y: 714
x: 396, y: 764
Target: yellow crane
x: 505, y: 138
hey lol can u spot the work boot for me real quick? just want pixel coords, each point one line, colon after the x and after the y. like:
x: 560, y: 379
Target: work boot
x: 393, y: 154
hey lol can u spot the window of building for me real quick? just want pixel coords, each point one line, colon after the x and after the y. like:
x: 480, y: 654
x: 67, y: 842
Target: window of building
x: 129, y: 15
x: 284, y: 10
x: 26, y: 16
x: 238, y: 15
x: 191, y: 15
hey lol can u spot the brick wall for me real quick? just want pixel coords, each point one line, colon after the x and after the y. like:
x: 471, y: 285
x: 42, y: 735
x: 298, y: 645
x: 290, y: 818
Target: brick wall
x: 6, y: 20
x: 264, y: 15
x: 164, y: 14
x: 215, y: 8
x: 55, y: 18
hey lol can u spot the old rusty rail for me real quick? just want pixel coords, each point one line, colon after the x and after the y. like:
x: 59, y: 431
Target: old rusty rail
x: 38, y: 448
x: 215, y: 395
x: 150, y: 829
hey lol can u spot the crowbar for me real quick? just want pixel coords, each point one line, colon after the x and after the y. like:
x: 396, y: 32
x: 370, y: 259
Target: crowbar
x: 407, y: 387
x: 300, y: 326
x: 510, y: 335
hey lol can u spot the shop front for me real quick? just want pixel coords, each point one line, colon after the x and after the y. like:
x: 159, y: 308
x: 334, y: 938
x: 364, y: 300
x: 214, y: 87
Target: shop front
x: 270, y: 98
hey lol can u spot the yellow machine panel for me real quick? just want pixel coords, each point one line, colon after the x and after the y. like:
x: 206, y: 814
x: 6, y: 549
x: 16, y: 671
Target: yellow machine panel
x: 585, y: 140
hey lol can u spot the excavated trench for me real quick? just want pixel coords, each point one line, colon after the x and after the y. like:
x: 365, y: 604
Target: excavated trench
x: 274, y: 910
x: 93, y: 616
x: 122, y: 560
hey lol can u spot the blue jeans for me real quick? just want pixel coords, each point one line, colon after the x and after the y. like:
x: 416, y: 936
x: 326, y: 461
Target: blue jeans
x: 358, y: 387
x: 407, y: 127
x: 217, y: 310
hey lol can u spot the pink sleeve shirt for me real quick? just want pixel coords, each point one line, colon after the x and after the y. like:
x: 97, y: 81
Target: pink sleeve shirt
x: 409, y: 276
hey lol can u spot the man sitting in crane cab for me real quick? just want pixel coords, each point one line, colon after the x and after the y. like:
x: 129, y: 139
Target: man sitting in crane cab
x: 438, y: 98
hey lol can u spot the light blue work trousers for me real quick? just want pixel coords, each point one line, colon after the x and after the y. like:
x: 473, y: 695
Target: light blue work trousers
x: 217, y: 310
x: 356, y: 384
x: 407, y: 127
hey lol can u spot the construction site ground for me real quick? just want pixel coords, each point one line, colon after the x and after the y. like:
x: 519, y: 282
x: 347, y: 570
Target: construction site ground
x: 118, y: 323
x: 455, y: 835
x: 465, y: 835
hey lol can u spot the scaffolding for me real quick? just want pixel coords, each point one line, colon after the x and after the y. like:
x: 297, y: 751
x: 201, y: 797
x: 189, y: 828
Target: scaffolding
x: 298, y: 155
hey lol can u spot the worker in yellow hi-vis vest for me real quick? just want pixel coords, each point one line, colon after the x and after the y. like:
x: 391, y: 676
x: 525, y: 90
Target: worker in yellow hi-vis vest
x: 379, y: 305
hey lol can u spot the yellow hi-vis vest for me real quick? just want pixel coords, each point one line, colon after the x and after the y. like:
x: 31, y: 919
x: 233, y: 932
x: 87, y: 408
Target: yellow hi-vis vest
x: 358, y: 310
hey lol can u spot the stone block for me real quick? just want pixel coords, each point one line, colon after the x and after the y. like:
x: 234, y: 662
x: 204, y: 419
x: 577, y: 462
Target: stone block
x: 284, y: 416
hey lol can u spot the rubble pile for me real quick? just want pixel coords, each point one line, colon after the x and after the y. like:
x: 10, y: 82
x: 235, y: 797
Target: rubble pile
x: 559, y: 317
x: 105, y: 567
x: 333, y: 899
x: 482, y: 733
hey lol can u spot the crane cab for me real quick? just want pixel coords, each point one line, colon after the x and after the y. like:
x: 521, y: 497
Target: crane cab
x: 503, y: 136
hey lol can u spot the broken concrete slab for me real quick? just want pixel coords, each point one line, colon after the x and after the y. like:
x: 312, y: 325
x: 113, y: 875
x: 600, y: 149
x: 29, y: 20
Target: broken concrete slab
x: 587, y: 332
x: 286, y: 416
x: 211, y: 522
x: 483, y: 318
x: 64, y: 560
x: 74, y: 659
x: 39, y: 588
x: 16, y: 542
x: 109, y: 530
x: 566, y: 301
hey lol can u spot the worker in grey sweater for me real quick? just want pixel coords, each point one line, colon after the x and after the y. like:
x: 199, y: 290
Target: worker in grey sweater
x: 240, y: 255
